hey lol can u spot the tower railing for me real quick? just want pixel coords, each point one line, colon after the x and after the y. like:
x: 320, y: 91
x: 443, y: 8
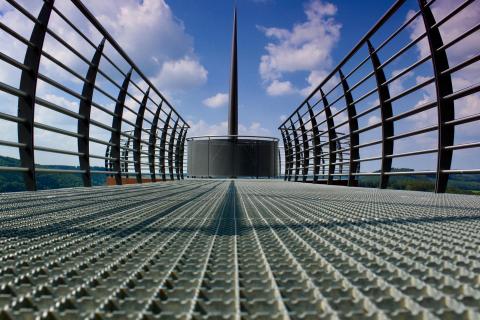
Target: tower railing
x: 407, y: 90
x: 81, y: 75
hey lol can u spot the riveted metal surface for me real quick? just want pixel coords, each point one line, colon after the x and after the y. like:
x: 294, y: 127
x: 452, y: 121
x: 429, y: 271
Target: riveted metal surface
x: 210, y: 249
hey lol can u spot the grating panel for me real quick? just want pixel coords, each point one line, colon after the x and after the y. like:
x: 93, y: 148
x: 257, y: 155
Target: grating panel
x: 208, y: 249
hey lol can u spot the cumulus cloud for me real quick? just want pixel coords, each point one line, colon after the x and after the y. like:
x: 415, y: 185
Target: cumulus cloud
x: 280, y: 88
x: 147, y: 30
x: 202, y: 128
x: 180, y: 75
x: 216, y: 101
x: 305, y: 47
x: 373, y: 120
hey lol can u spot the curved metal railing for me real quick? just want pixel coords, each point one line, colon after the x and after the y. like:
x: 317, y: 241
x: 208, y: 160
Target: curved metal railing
x: 407, y: 91
x: 115, y: 100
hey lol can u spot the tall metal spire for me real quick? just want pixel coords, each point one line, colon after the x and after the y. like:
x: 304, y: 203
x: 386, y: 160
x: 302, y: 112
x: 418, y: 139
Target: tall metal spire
x: 233, y: 105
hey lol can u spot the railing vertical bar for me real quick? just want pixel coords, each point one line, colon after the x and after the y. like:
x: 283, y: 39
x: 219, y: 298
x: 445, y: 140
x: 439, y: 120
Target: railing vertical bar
x: 354, y: 153
x: 137, y: 143
x: 170, y: 148
x: 305, y: 147
x: 85, y: 109
x: 332, y: 146
x: 285, y: 152
x: 152, y: 143
x: 443, y: 87
x: 297, y: 151
x: 117, y: 126
x: 26, y: 104
x: 182, y: 151
x: 162, y: 146
x: 177, y: 152
x: 385, y: 113
x: 317, y: 149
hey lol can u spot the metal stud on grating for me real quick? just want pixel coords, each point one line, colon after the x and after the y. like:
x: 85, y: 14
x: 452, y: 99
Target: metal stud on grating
x: 209, y: 249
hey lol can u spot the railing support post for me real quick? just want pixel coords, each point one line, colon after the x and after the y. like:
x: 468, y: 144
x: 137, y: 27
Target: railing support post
x: 297, y: 150
x: 306, y: 153
x: 152, y: 149
x: 385, y: 113
x: 85, y: 111
x: 182, y: 152
x: 332, y: 146
x: 116, y: 134
x: 286, y: 151
x: 443, y: 86
x: 177, y: 152
x: 352, y: 126
x: 163, y: 140
x: 26, y: 105
x: 137, y: 142
x: 290, y: 154
x: 170, y: 149
x: 317, y: 150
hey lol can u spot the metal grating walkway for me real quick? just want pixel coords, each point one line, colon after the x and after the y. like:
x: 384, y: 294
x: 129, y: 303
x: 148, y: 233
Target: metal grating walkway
x: 229, y: 249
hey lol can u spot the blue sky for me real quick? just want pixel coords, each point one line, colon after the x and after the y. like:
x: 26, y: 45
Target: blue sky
x: 210, y: 24
x: 285, y: 49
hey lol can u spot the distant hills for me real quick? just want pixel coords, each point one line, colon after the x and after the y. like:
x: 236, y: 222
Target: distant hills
x: 460, y: 183
x: 9, y: 182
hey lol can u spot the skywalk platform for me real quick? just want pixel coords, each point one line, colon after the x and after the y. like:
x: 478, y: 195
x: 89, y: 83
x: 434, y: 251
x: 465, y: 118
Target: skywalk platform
x: 230, y: 249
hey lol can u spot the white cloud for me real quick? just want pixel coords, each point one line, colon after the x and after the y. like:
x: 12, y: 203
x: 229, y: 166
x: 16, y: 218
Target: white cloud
x: 398, y: 85
x: 315, y: 77
x: 373, y: 120
x: 283, y: 117
x: 280, y: 88
x: 202, y: 128
x: 216, y: 101
x: 254, y: 129
x: 306, y: 47
x: 180, y: 75
x: 148, y: 30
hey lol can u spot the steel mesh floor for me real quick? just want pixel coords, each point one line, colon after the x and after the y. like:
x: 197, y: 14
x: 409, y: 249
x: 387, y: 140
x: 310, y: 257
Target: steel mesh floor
x: 229, y: 249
